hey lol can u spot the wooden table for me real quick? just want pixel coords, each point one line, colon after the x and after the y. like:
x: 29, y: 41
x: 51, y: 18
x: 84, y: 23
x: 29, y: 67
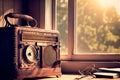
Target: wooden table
x: 74, y: 77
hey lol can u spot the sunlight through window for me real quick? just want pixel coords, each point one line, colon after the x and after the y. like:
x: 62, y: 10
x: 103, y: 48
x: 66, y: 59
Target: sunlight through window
x: 98, y: 27
x: 111, y: 3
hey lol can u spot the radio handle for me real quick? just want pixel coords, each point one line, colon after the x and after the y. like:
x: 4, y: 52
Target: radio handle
x: 21, y: 16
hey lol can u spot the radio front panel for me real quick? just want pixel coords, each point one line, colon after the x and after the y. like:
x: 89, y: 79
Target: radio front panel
x: 28, y: 52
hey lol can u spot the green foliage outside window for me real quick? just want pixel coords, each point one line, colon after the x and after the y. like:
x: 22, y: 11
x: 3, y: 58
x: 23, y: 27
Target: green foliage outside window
x: 62, y: 23
x: 98, y: 28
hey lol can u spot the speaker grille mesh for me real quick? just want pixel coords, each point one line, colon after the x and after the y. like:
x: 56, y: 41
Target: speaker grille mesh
x: 49, y: 55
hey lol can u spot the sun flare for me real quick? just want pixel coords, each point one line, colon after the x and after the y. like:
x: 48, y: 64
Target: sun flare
x: 107, y: 3
x: 111, y: 3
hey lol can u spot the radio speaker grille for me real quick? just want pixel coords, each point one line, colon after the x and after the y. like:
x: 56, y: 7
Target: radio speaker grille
x: 49, y: 55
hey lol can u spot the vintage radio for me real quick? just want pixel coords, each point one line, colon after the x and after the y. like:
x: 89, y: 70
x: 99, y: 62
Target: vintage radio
x: 27, y: 52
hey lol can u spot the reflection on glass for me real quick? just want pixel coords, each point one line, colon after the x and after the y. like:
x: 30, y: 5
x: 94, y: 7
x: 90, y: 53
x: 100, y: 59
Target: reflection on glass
x: 98, y: 26
x: 62, y: 24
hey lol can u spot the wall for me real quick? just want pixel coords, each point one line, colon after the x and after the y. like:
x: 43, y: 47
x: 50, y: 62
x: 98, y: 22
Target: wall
x: 7, y: 6
x: 34, y: 8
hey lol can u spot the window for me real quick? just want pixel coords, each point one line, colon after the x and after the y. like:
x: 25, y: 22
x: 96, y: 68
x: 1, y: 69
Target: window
x: 90, y: 29
x: 97, y: 29
x: 62, y: 24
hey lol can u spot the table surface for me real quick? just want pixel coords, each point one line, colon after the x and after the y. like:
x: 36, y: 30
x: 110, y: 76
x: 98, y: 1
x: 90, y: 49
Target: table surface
x: 74, y: 77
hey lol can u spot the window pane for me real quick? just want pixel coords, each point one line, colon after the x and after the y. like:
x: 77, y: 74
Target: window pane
x: 62, y: 24
x: 98, y: 26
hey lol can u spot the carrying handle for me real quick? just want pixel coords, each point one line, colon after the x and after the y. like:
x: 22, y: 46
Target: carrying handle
x: 21, y: 16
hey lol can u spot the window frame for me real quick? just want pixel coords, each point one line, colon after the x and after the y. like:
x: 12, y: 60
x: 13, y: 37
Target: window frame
x: 71, y: 36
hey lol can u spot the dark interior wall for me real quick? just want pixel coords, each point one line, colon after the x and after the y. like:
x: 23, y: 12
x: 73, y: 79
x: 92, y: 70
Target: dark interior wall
x: 7, y: 6
x: 31, y: 7
x: 34, y: 8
